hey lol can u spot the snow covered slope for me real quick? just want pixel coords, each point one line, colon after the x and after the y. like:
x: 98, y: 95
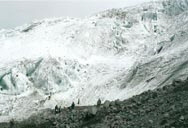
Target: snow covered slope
x: 113, y: 55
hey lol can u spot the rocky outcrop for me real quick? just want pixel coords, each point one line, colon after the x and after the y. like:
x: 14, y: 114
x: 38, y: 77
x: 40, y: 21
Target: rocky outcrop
x: 165, y: 107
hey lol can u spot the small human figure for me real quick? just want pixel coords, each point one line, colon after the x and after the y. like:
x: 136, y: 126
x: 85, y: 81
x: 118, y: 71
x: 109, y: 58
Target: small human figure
x: 99, y: 102
x: 11, y: 123
x: 72, y: 105
x: 56, y: 109
x: 49, y: 97
x: 78, y: 101
x: 59, y: 110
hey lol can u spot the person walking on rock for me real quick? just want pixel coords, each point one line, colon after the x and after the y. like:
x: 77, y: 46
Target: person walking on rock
x: 99, y: 102
x: 72, y: 105
x: 56, y: 109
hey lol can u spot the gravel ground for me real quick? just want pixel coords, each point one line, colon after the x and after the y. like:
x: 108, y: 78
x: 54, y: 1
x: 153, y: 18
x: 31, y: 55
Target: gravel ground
x: 166, y: 107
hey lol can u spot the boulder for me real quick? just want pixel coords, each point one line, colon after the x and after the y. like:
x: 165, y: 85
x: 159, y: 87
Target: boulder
x: 117, y: 102
x: 93, y: 110
x: 106, y: 103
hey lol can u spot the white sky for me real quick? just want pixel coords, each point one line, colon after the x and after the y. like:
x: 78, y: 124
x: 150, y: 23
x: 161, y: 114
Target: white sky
x: 17, y: 12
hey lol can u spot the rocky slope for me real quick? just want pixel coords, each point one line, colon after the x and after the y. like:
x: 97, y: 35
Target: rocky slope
x: 166, y: 107
x: 116, y: 54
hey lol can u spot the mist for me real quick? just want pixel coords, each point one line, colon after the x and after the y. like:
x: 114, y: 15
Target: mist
x: 16, y: 13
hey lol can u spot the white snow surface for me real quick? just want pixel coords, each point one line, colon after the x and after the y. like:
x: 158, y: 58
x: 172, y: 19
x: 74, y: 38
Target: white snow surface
x: 114, y: 55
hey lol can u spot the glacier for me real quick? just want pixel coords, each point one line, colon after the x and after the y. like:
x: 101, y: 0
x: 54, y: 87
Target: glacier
x: 114, y: 54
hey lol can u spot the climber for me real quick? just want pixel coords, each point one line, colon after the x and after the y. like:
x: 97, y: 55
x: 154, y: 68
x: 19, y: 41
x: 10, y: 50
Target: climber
x: 72, y: 105
x: 59, y: 110
x: 99, y: 102
x: 56, y: 109
x: 12, y: 123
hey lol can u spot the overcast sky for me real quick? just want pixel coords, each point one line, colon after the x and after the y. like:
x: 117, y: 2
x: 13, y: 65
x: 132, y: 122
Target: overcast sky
x: 17, y: 12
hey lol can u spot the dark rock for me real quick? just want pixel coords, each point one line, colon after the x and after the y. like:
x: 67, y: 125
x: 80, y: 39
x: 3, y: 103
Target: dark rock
x: 151, y: 121
x: 117, y: 102
x: 182, y: 118
x: 112, y: 103
x: 163, y: 122
x: 166, y: 115
x: 172, y: 38
x: 93, y: 110
x: 154, y: 95
x: 176, y: 82
x: 151, y: 109
x: 106, y: 104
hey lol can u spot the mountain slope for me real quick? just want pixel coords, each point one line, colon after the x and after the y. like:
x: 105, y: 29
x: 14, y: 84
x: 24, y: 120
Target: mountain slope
x: 113, y: 55
x: 161, y: 108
